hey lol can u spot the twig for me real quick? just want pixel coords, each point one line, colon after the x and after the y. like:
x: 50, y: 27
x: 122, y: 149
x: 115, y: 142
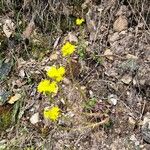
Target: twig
x: 143, y: 109
x: 93, y: 125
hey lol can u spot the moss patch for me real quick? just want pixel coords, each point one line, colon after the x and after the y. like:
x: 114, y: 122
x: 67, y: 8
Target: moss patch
x: 5, y: 117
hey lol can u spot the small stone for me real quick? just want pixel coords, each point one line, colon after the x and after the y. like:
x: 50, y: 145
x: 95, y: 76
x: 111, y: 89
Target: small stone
x: 22, y: 73
x: 137, y: 143
x: 120, y: 24
x: 133, y: 138
x: 130, y: 56
x: 34, y: 118
x: 108, y: 54
x: 8, y: 27
x: 134, y: 82
x: 53, y: 56
x: 112, y: 99
x: 83, y: 87
x: 131, y: 121
x: 72, y: 37
x: 126, y: 79
x: 114, y: 37
x: 91, y: 93
x: 124, y: 32
x: 66, y: 81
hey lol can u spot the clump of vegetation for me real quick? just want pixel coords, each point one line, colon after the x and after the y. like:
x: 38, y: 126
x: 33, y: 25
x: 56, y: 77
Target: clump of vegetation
x: 50, y: 86
x: 5, y: 118
x: 90, y: 104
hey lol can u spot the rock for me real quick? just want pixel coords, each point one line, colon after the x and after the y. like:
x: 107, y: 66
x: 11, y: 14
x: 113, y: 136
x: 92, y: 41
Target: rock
x: 126, y: 79
x: 72, y: 37
x: 66, y: 81
x: 131, y: 121
x: 34, y: 118
x: 123, y: 33
x: 120, y: 24
x: 112, y: 99
x: 111, y: 72
x: 8, y: 27
x: 22, y: 73
x: 146, y: 128
x: 54, y: 56
x: 134, y: 139
x: 114, y: 37
x: 130, y: 56
x: 108, y: 54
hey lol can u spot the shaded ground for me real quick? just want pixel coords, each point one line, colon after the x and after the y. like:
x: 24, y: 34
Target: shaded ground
x: 111, y: 67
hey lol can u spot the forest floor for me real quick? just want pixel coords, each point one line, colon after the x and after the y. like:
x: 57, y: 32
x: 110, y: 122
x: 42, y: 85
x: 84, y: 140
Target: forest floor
x: 105, y: 95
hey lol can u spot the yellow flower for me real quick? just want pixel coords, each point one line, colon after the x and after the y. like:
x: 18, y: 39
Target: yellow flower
x: 56, y: 74
x: 52, y: 113
x: 45, y: 86
x: 68, y: 49
x: 53, y: 87
x: 79, y: 21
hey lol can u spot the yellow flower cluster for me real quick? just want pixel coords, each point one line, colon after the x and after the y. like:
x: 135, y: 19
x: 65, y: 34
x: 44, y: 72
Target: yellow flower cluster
x: 79, y: 21
x: 68, y: 49
x: 56, y: 74
x: 45, y: 86
x: 52, y: 113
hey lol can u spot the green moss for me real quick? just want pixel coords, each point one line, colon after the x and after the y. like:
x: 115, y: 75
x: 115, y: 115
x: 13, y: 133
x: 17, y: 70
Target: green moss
x: 40, y: 46
x: 5, y: 118
x: 90, y: 104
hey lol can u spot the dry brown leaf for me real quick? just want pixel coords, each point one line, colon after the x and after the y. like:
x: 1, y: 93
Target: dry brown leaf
x: 29, y: 29
x: 126, y: 79
x: 14, y: 98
